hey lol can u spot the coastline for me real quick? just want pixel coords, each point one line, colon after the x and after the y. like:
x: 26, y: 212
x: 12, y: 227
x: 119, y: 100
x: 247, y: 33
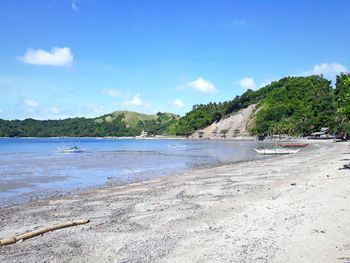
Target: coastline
x: 36, y: 193
x: 245, y: 212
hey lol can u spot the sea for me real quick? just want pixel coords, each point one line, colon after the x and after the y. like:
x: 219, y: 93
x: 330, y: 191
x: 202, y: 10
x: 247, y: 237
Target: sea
x: 34, y: 168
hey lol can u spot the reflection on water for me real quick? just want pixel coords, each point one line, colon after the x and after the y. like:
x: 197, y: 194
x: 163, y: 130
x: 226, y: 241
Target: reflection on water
x: 31, y: 166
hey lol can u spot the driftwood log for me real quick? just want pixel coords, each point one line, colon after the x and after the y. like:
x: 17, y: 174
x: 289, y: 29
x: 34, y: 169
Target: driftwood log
x: 41, y: 231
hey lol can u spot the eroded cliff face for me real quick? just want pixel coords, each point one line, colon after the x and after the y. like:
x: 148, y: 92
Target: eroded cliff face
x: 238, y: 124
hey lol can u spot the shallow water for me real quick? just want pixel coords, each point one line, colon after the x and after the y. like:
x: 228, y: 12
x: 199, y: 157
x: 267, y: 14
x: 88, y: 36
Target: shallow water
x: 33, y: 167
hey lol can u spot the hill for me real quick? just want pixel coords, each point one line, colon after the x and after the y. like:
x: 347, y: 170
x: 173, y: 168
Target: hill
x: 119, y: 123
x: 132, y: 118
x: 291, y: 105
x: 235, y: 125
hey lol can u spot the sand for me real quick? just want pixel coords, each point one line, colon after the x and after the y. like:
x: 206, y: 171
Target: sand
x: 284, y: 209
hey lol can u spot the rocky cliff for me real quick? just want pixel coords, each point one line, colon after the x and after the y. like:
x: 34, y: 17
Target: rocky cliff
x: 229, y: 128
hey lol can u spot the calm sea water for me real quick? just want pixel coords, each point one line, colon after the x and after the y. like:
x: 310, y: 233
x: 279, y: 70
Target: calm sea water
x: 33, y: 168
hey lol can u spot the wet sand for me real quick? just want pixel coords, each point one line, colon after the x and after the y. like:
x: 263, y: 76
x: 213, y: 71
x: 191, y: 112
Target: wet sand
x: 284, y: 209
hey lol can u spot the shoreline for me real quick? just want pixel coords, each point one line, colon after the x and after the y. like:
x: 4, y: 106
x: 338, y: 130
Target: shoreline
x: 248, y: 211
x: 36, y: 196
x: 164, y: 137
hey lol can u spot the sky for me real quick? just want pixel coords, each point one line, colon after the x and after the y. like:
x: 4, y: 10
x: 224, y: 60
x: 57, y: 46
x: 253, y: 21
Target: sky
x: 68, y: 58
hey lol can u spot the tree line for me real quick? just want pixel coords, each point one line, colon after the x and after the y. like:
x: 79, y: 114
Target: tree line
x: 106, y: 125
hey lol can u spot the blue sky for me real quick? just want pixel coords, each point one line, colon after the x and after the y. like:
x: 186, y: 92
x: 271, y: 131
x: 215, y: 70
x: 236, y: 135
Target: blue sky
x: 65, y: 58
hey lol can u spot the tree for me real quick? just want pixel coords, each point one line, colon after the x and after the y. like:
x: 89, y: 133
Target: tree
x: 342, y: 92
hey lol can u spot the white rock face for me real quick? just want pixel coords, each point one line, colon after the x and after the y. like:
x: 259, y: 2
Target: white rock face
x: 229, y: 128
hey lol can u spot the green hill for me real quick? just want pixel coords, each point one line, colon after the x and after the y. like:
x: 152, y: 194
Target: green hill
x: 291, y: 105
x: 132, y: 118
x: 119, y: 123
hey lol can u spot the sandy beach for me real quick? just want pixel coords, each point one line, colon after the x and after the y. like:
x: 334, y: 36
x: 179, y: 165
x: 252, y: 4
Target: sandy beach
x: 284, y: 209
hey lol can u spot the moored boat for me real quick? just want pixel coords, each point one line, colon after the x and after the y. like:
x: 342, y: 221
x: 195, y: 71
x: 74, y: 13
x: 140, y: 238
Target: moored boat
x: 74, y: 149
x: 276, y: 151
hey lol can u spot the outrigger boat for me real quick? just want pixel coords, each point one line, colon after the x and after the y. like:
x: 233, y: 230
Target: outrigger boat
x: 293, y: 145
x: 276, y: 151
x: 74, y: 149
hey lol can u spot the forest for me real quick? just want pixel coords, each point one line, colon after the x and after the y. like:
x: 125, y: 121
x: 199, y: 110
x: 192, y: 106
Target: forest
x: 106, y: 125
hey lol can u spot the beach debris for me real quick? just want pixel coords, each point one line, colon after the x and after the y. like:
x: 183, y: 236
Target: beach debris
x: 41, y: 231
x: 344, y: 258
x: 346, y: 166
x: 320, y: 231
x: 293, y: 184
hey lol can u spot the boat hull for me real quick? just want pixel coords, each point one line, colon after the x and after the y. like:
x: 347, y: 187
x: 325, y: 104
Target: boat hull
x: 73, y: 150
x: 275, y: 151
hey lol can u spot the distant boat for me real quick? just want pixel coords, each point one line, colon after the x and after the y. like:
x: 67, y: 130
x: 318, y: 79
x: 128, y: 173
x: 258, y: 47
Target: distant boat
x: 177, y: 145
x: 276, y: 151
x: 143, y: 134
x: 291, y: 145
x: 74, y: 149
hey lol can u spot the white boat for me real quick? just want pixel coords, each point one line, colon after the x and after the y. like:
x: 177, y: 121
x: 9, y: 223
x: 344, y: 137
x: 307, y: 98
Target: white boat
x: 143, y: 134
x: 74, y: 149
x: 276, y: 151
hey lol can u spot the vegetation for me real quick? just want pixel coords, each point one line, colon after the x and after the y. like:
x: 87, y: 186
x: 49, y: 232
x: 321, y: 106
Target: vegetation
x: 342, y: 92
x: 114, y: 124
x: 296, y: 106
x: 291, y: 105
x: 203, y: 115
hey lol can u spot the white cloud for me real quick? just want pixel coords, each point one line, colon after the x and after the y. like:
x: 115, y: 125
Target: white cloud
x: 74, y: 6
x: 56, y: 57
x: 114, y: 93
x: 329, y: 69
x: 178, y: 103
x: 202, y: 85
x: 30, y: 103
x: 247, y: 83
x: 135, y: 101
